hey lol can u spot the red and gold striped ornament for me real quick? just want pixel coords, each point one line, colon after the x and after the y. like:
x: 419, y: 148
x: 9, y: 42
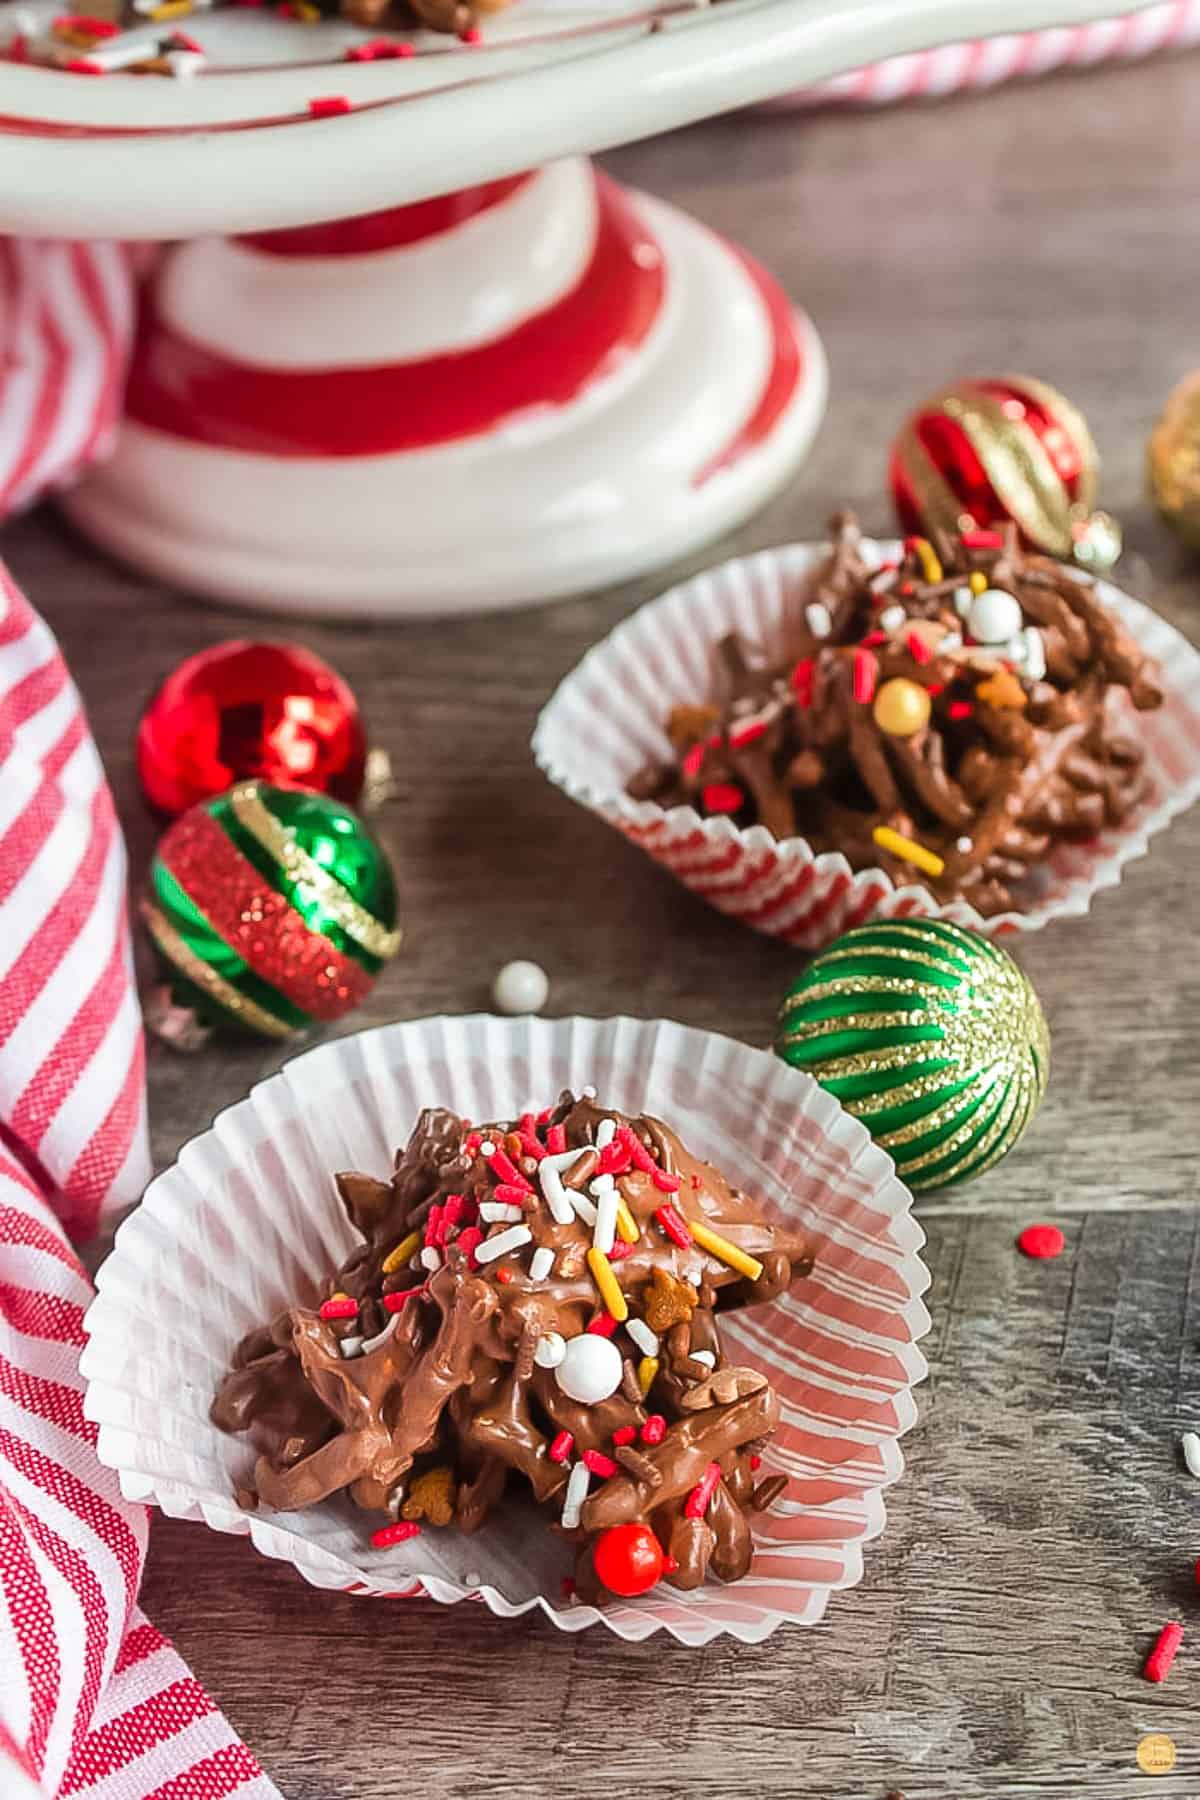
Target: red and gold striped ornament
x: 273, y: 910
x: 981, y: 452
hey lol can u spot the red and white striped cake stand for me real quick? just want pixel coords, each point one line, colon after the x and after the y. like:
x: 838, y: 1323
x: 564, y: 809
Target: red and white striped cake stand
x: 496, y: 382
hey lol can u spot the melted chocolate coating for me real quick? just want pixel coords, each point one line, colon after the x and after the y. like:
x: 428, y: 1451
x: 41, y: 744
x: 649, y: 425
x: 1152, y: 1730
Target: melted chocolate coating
x: 452, y: 1380
x: 1008, y: 765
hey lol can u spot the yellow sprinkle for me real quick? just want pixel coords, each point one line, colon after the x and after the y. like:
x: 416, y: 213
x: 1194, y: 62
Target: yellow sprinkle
x: 927, y: 556
x: 647, y: 1370
x: 724, y: 1251
x: 301, y: 9
x: 395, y: 1259
x: 977, y: 582
x: 338, y: 1296
x: 627, y: 1225
x: 171, y: 9
x: 903, y: 847
x: 609, y: 1286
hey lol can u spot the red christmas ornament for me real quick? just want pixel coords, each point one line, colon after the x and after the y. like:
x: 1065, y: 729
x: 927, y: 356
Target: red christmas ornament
x: 983, y: 452
x: 246, y: 709
x: 628, y: 1559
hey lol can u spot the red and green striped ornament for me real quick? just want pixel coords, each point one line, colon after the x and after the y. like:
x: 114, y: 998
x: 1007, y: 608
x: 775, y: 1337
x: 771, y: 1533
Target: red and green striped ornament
x: 273, y: 910
x: 930, y: 1035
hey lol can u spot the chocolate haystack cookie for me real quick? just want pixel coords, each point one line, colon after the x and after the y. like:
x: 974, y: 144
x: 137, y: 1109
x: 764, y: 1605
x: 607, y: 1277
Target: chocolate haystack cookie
x: 532, y: 1300
x: 949, y: 718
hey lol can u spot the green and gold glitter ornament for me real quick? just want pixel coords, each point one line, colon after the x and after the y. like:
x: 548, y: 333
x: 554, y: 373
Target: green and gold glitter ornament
x: 930, y: 1035
x: 273, y: 909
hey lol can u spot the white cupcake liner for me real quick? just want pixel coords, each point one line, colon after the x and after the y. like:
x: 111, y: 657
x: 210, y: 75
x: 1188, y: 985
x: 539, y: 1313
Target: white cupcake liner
x: 247, y: 1222
x: 606, y: 721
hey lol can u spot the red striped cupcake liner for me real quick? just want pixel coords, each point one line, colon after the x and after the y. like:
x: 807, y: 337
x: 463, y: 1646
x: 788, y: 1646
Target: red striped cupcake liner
x: 247, y: 1223
x: 606, y: 721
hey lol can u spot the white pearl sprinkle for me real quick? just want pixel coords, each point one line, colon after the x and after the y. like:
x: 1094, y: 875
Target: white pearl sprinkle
x: 549, y: 1350
x: 995, y: 617
x: 541, y: 1263
x: 472, y: 1578
x: 502, y: 1243
x: 645, y: 1339
x: 591, y: 1370
x: 1189, y: 1443
x: 431, y: 1258
x: 521, y: 987
x: 964, y: 845
x: 892, y: 618
x: 587, y: 1093
x: 819, y: 622
x: 487, y: 1148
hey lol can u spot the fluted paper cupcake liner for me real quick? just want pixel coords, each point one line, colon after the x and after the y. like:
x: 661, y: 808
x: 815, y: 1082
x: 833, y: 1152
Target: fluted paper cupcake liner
x: 247, y: 1222
x: 606, y: 721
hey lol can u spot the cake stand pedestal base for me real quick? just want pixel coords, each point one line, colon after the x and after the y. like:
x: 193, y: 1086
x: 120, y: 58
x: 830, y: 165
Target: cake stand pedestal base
x: 523, y: 390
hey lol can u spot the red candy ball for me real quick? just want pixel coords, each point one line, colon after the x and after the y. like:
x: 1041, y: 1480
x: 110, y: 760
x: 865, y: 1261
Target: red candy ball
x: 1041, y: 1241
x: 628, y: 1559
x: 247, y: 709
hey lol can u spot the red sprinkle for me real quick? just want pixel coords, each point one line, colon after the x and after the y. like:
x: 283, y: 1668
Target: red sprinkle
x: 472, y: 35
x: 802, y: 680
x: 674, y: 1225
x: 722, y: 797
x: 506, y: 1195
x: 1158, y: 1663
x: 545, y: 1116
x: 339, y: 1309
x: 654, y: 1430
x: 599, y: 1464
x: 395, y: 1302
x: 505, y: 1169
x: 530, y: 1144
x: 873, y: 640
x: 755, y: 1463
x: 697, y: 1502
x: 503, y: 1275
x: 181, y: 41
x: 906, y: 588
x: 83, y: 65
x: 472, y: 1142
x: 982, y: 540
x: 327, y: 106
x: 468, y: 1242
x: 693, y: 761
x: 399, y: 1533
x: 453, y: 1214
x: 1041, y: 1241
x: 638, y: 1152
x: 960, y: 709
x: 866, y: 670
x: 91, y: 27
x: 556, y: 1139
x: 561, y: 1447
x: 433, y: 1226
x: 603, y: 1325
x: 624, y: 1434
x: 669, y: 1184
x: 615, y: 1158
x: 918, y: 649
x: 620, y: 1250
x: 747, y: 734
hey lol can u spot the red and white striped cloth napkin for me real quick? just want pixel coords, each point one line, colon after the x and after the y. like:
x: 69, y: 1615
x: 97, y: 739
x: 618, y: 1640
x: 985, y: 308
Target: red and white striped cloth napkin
x: 94, y: 1702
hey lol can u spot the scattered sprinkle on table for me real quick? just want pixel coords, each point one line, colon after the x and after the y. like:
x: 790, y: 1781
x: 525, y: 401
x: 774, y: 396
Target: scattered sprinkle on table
x: 1158, y: 1663
x: 1189, y: 1443
x: 1041, y: 1241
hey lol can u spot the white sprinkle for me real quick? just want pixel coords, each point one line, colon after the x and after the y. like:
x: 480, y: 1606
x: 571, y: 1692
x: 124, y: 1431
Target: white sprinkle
x: 964, y: 845
x: 582, y: 1205
x: 1035, y: 652
x: 892, y: 618
x: 496, y: 1212
x: 556, y: 1194
x: 1189, y: 1443
x: 603, y: 1184
x: 350, y: 1346
x: 606, y: 1131
x: 587, y: 1093
x: 951, y: 641
x: 381, y: 1337
x: 502, y: 1243
x: 819, y: 621
x: 549, y: 1350
x: 962, y: 601
x: 645, y: 1339
x: 431, y: 1258
x: 695, y: 1275
x: 707, y: 1357
x: 472, y: 1578
x: 183, y: 64
x: 541, y: 1263
x: 577, y: 1487
x: 487, y: 1148
x: 606, y: 1221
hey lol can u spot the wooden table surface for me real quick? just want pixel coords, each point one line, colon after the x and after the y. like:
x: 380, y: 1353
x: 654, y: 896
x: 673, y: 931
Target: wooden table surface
x: 1044, y: 1529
